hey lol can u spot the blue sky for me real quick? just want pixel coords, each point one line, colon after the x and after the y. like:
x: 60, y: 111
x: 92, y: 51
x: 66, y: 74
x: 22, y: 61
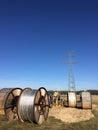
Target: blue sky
x: 36, y: 36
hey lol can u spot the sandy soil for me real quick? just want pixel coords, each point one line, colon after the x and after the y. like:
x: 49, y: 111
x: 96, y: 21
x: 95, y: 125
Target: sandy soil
x: 70, y: 115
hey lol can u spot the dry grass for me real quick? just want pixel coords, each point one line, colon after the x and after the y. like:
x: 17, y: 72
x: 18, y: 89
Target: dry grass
x: 56, y: 124
x: 95, y: 99
x: 51, y: 124
x: 70, y: 115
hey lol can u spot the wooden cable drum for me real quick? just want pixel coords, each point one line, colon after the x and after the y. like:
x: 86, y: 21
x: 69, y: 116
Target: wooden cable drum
x: 86, y: 100
x: 10, y: 105
x: 9, y: 98
x: 33, y: 105
x: 71, y: 99
x: 3, y: 93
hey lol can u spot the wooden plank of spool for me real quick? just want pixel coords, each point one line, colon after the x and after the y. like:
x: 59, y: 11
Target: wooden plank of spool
x: 9, y: 98
x: 86, y: 100
x: 71, y: 99
x: 10, y: 105
x: 41, y: 106
x: 3, y: 94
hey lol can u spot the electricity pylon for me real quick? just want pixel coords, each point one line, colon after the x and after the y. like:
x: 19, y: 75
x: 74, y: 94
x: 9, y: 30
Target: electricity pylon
x: 71, y: 79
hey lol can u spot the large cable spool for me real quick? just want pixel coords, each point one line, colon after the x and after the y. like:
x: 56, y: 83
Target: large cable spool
x: 33, y: 105
x: 86, y: 100
x: 71, y: 99
x: 8, y: 101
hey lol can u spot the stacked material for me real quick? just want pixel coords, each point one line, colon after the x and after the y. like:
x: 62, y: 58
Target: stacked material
x: 25, y: 105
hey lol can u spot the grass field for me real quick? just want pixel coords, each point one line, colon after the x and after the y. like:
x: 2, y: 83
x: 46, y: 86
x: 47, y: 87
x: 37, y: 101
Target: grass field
x: 52, y: 123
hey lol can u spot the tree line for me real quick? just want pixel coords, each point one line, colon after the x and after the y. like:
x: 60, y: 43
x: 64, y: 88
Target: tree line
x: 93, y: 92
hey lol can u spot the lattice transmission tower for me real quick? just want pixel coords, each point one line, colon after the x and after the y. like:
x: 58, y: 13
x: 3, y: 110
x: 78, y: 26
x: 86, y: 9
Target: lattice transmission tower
x: 71, y: 79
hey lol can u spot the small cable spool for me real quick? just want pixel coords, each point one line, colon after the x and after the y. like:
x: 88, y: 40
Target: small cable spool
x: 71, y: 99
x: 10, y: 105
x: 33, y: 105
x: 86, y: 100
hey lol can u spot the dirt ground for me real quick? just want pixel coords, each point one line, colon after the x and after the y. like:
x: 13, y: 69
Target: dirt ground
x: 70, y: 115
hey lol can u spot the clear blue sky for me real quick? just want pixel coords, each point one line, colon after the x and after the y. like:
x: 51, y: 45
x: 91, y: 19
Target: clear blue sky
x: 35, y: 37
